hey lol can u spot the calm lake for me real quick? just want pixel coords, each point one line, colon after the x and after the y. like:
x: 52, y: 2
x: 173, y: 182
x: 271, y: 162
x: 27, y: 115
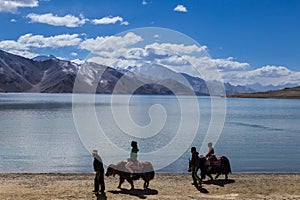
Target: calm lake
x: 38, y: 132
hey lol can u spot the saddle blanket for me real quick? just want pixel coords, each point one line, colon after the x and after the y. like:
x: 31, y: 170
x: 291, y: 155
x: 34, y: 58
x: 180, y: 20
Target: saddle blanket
x: 137, y: 167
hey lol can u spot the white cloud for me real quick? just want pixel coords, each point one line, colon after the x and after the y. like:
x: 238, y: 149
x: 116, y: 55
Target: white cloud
x: 112, y: 51
x: 144, y: 2
x: 10, y: 45
x: 174, y: 62
x: 13, y: 20
x: 190, y: 59
x: 110, y: 43
x: 40, y: 41
x: 112, y: 62
x: 169, y: 48
x: 25, y: 42
x: 207, y: 66
x: 125, y: 23
x: 266, y: 75
x: 180, y: 8
x: 49, y: 18
x: 271, y: 71
x: 13, y: 5
x: 115, y: 51
x: 74, y: 54
x: 121, y: 51
x: 222, y: 64
x: 110, y: 20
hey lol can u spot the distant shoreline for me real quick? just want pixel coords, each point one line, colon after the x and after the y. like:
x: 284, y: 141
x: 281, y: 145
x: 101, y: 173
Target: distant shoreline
x: 157, y: 173
x: 287, y: 93
x: 242, y: 95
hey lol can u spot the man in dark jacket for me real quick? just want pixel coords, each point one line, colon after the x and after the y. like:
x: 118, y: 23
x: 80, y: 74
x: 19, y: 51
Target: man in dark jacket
x: 99, y: 177
x: 195, y: 166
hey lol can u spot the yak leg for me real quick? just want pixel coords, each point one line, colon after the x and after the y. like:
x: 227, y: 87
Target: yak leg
x: 226, y: 176
x: 218, y: 174
x: 120, y: 182
x: 131, y: 183
x: 146, y: 184
x: 209, y: 175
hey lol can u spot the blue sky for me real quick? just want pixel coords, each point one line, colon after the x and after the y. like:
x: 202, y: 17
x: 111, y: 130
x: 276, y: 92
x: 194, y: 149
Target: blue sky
x: 258, y: 39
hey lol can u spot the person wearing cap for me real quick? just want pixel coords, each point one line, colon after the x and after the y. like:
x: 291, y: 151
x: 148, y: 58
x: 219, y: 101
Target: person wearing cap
x: 99, y: 177
x: 195, y: 166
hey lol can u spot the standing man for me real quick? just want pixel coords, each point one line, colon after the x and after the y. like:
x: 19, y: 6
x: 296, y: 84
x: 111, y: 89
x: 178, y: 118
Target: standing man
x: 195, y: 166
x: 99, y: 177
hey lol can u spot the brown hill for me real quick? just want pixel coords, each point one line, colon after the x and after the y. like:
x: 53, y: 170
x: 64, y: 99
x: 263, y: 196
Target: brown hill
x: 287, y: 93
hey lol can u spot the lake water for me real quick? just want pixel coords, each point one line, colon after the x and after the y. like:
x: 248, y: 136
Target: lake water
x: 38, y: 133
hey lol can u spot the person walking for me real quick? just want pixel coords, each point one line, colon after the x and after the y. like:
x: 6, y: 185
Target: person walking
x: 195, y: 166
x: 99, y: 176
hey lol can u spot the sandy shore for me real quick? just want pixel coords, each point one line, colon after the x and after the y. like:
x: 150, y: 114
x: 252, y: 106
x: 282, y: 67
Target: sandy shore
x: 164, y: 186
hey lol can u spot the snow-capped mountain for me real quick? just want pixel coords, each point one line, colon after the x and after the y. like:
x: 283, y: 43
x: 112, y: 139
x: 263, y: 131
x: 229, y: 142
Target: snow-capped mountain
x: 18, y: 74
x: 263, y: 88
x: 48, y: 74
x: 156, y: 72
x: 43, y: 58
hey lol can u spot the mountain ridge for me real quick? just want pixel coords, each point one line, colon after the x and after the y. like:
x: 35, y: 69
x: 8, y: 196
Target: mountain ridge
x: 20, y: 74
x: 287, y: 93
x: 48, y: 74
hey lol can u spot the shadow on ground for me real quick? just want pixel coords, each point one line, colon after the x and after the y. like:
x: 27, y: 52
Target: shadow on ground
x: 101, y: 196
x: 142, y: 194
x: 201, y: 189
x: 219, y: 182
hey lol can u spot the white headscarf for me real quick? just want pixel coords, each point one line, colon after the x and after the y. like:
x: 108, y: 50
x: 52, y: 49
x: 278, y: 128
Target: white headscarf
x: 96, y: 155
x: 209, y: 144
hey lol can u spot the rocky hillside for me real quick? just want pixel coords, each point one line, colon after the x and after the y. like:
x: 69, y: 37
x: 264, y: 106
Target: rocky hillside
x: 51, y: 75
x: 47, y: 74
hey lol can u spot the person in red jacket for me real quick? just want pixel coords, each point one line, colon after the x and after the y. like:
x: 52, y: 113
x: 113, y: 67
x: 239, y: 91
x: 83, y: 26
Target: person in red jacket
x: 210, y: 154
x: 211, y: 151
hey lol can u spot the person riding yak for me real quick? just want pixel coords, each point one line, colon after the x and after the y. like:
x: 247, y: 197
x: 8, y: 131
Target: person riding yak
x: 208, y: 164
x: 133, y: 165
x: 210, y: 155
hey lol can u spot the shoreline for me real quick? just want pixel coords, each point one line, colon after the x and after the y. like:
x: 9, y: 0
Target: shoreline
x: 163, y: 186
x: 156, y: 173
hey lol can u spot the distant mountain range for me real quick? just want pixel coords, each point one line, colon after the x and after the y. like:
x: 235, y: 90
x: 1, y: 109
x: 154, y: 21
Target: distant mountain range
x: 159, y: 74
x: 18, y: 74
x: 263, y: 88
x: 47, y: 74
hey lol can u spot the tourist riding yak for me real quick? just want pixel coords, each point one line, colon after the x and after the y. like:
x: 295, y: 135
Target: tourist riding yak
x: 210, y: 164
x: 132, y: 169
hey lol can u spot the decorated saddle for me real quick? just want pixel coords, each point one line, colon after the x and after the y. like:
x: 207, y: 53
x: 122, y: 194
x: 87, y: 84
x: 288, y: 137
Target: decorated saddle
x: 136, y: 167
x: 215, y: 162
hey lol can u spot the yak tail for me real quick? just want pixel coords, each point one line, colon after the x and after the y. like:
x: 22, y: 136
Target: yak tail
x: 226, y: 161
x: 149, y: 170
